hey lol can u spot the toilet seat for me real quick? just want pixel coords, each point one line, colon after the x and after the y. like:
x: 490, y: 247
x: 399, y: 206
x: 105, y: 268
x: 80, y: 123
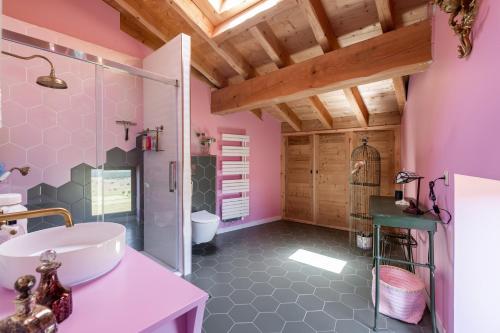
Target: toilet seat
x: 204, y: 217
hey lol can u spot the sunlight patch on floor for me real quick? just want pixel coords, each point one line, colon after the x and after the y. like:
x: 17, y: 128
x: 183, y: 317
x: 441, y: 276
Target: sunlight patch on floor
x: 318, y: 260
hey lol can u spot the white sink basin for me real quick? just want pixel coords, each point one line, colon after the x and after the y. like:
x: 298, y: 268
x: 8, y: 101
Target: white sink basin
x: 86, y: 251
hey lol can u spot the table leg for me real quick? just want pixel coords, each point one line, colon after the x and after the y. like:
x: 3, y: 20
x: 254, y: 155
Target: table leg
x: 410, y: 252
x: 432, y: 282
x: 376, y: 243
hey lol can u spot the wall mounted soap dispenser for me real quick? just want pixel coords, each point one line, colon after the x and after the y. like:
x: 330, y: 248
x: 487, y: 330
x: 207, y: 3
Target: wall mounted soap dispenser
x: 29, y: 317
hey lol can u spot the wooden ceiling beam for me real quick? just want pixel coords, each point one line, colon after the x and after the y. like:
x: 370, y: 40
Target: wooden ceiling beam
x: 265, y: 36
x: 400, y: 52
x: 133, y: 20
x: 320, y: 24
x: 197, y: 20
x: 272, y: 46
x: 287, y: 114
x: 257, y: 113
x: 327, y: 39
x: 384, y: 11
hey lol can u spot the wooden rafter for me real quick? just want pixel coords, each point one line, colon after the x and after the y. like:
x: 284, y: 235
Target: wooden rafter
x: 289, y: 116
x: 131, y: 16
x: 272, y: 46
x: 326, y: 38
x: 401, y: 52
x: 384, y: 11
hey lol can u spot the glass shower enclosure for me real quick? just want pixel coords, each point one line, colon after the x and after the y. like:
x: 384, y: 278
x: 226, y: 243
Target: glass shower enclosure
x: 124, y: 161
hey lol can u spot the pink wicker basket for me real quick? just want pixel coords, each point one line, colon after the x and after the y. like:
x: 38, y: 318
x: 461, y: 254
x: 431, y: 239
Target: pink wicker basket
x: 402, y: 294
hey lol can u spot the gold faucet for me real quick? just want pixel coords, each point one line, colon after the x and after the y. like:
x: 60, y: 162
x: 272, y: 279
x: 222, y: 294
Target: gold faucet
x: 68, y: 221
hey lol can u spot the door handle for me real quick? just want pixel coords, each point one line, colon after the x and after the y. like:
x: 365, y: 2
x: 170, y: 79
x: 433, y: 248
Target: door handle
x: 172, y: 176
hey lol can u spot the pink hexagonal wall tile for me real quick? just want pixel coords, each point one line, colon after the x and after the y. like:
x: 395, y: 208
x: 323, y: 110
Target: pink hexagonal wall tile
x: 111, y: 126
x: 36, y: 70
x: 83, y: 104
x: 42, y: 156
x: 42, y: 117
x: 12, y: 70
x: 56, y: 137
x: 13, y: 114
x: 125, y: 111
x: 89, y: 87
x: 91, y: 157
x: 26, y: 136
x: 90, y: 121
x: 71, y: 120
x: 56, y: 175
x: 26, y: 94
x: 69, y: 157
x: 114, y: 92
x: 33, y: 178
x: 83, y: 138
x: 12, y: 155
x: 74, y: 83
x: 57, y: 100
x: 4, y: 135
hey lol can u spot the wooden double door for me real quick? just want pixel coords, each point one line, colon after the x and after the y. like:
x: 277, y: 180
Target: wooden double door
x: 316, y: 171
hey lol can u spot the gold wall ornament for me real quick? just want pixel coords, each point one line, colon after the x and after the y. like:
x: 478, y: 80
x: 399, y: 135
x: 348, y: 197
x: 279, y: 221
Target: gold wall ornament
x: 462, y: 16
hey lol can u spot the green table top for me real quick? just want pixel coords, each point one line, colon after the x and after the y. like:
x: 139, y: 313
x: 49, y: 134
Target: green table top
x: 386, y: 213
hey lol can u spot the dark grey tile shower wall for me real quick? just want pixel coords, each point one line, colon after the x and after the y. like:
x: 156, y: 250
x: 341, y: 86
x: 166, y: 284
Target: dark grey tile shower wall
x: 75, y: 195
x: 204, y: 180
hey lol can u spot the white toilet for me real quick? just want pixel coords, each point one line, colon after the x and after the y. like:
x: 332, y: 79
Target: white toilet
x: 204, y: 226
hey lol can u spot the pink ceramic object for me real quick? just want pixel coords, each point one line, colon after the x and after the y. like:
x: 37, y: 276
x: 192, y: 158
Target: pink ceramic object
x: 402, y: 294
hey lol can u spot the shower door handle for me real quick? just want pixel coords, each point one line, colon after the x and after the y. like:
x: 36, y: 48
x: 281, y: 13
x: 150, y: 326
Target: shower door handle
x: 172, y: 176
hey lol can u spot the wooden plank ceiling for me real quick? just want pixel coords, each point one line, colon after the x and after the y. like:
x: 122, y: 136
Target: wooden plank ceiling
x: 237, y: 40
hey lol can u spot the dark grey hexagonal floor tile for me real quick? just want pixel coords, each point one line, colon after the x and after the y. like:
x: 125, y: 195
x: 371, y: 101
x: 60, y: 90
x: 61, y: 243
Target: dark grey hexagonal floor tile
x: 224, y: 258
x: 300, y: 327
x: 219, y: 305
x: 265, y: 303
x: 354, y: 301
x: 350, y: 326
x: 217, y: 323
x: 320, y: 321
x: 224, y: 267
x: 269, y: 322
x: 244, y: 328
x: 365, y: 292
x: 400, y: 327
x: 205, y: 272
x: 256, y: 257
x: 242, y: 296
x: 276, y: 271
x: 291, y: 312
x: 273, y: 262
x: 240, y: 262
x: 296, y: 276
x: 310, y: 302
x: 257, y: 267
x: 285, y: 295
x: 207, y: 262
x: 221, y: 289
x: 241, y: 283
x: 338, y: 310
x: 318, y: 281
x: 243, y: 313
x: 241, y: 272
x: 302, y: 288
x: 260, y: 277
x: 365, y: 317
x: 355, y: 280
x: 203, y: 283
x: 280, y: 282
x: 327, y: 294
x: 311, y: 271
x: 222, y: 277
x: 292, y: 266
x: 342, y: 287
x: 262, y: 288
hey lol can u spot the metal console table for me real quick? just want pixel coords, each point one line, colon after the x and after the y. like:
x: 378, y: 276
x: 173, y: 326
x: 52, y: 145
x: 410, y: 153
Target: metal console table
x: 386, y: 213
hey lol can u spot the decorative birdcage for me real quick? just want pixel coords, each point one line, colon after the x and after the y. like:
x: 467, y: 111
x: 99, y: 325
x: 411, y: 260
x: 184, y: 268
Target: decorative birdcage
x: 364, y: 182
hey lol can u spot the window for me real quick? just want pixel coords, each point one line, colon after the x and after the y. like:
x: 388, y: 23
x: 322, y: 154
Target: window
x: 115, y: 186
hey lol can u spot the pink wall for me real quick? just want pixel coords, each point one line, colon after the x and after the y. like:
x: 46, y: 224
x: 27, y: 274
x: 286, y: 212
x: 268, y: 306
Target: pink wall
x: 90, y: 20
x: 451, y: 123
x: 265, y: 150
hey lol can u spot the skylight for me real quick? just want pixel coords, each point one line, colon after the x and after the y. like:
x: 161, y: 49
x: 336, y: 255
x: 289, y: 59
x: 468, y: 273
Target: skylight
x: 319, y: 261
x: 221, y: 6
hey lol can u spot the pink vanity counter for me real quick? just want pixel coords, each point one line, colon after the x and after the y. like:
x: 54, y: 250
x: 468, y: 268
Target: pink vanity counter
x: 139, y: 295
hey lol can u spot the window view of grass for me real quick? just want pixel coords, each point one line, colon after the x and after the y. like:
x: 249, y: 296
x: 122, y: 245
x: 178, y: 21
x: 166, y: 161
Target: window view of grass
x: 116, y: 188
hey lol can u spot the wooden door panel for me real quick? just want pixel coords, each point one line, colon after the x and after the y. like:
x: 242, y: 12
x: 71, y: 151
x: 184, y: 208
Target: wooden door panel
x: 298, y: 178
x: 331, y: 180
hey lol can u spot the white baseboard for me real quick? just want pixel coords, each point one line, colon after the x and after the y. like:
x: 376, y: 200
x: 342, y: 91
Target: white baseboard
x: 248, y: 224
